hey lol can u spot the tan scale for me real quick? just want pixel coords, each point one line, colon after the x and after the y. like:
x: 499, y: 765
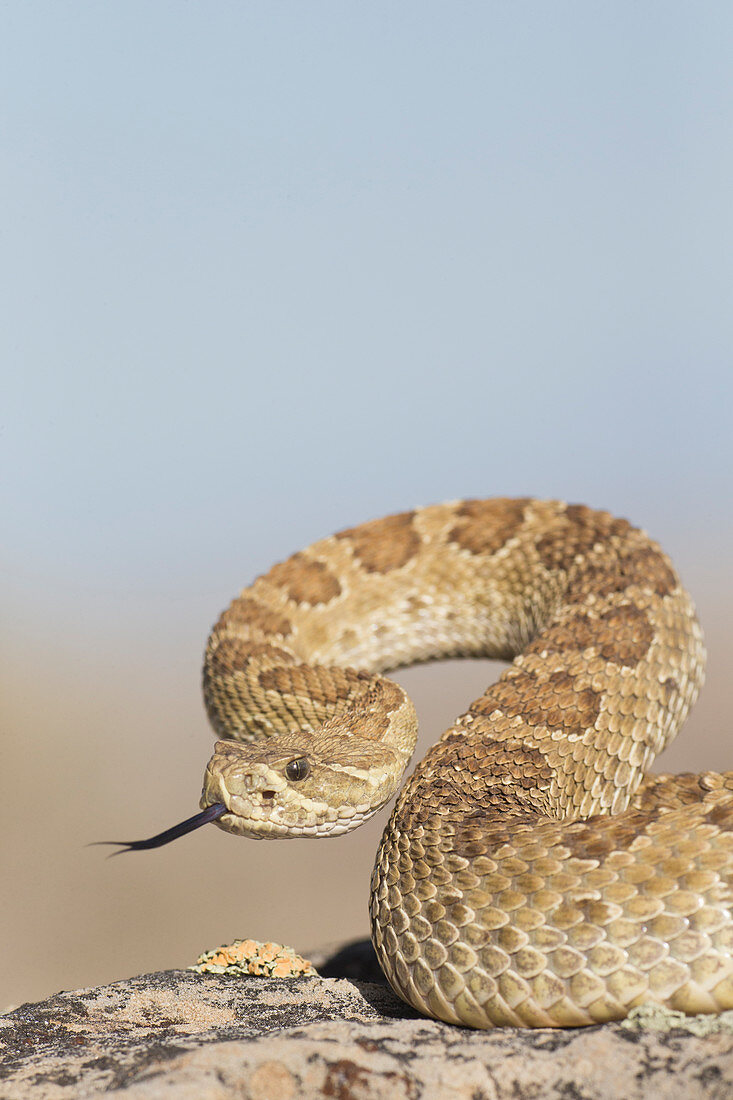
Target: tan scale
x: 532, y: 873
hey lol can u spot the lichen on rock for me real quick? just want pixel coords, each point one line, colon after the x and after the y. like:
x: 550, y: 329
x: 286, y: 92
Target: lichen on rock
x: 250, y: 957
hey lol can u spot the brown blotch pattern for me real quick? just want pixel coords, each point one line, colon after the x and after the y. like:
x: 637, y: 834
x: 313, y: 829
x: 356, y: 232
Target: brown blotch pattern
x: 390, y: 695
x: 622, y: 635
x: 467, y: 779
x: 576, y: 533
x: 317, y: 693
x: 244, y: 612
x: 492, y: 756
x: 234, y: 654
x: 648, y: 567
x: 600, y: 835
x: 668, y: 792
x: 575, y: 633
x: 625, y: 635
x: 325, y: 686
x: 597, y: 579
x: 305, y: 581
x: 721, y: 815
x: 481, y: 832
x: 643, y: 567
x: 384, y: 544
x: 555, y: 702
x: 380, y: 702
x: 485, y: 525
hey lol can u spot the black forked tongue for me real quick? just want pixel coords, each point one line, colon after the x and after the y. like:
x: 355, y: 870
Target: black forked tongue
x: 211, y: 813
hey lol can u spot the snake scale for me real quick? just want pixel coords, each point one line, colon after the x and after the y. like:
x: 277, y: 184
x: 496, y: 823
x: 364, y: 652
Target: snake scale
x: 532, y: 873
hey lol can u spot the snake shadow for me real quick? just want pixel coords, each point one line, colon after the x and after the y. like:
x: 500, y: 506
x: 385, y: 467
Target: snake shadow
x: 357, y: 961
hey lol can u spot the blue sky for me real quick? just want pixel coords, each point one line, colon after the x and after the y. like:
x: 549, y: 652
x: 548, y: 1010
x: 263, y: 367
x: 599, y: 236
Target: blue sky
x: 271, y: 269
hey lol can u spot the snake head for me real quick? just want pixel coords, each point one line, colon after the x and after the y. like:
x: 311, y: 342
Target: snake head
x: 299, y: 785
x: 296, y: 785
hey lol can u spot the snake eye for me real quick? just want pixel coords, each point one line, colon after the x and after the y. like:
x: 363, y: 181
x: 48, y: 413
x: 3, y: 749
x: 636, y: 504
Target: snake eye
x: 298, y: 769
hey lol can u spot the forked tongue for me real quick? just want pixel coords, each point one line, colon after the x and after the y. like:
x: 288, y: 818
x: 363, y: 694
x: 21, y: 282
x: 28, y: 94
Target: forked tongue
x: 211, y: 813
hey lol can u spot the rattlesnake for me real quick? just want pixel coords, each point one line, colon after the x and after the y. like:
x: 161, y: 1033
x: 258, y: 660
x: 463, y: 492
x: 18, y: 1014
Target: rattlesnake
x: 531, y: 873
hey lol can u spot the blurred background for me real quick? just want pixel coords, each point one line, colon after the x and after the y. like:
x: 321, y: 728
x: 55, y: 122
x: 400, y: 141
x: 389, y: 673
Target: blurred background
x: 272, y: 269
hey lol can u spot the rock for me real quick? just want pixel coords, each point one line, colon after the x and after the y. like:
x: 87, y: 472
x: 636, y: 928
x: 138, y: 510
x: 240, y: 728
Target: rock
x: 186, y: 1036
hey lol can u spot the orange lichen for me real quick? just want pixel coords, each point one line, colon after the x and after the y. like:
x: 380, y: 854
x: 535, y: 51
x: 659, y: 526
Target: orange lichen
x: 249, y: 957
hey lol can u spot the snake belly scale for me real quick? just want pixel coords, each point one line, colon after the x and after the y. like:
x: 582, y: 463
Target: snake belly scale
x: 532, y: 873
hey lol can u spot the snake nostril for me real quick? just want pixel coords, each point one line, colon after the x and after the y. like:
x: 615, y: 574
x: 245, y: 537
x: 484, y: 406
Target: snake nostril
x: 268, y: 795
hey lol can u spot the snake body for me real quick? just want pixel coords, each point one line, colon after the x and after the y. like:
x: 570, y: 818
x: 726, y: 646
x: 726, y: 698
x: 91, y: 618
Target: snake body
x: 531, y: 872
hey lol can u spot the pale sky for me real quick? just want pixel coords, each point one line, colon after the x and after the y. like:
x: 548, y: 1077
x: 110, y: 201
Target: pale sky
x: 270, y: 269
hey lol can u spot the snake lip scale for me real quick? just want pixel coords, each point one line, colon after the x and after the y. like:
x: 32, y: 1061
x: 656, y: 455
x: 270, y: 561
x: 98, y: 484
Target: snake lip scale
x: 532, y: 873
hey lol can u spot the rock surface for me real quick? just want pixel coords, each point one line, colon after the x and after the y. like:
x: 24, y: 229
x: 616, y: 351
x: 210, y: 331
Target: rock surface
x: 185, y: 1036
